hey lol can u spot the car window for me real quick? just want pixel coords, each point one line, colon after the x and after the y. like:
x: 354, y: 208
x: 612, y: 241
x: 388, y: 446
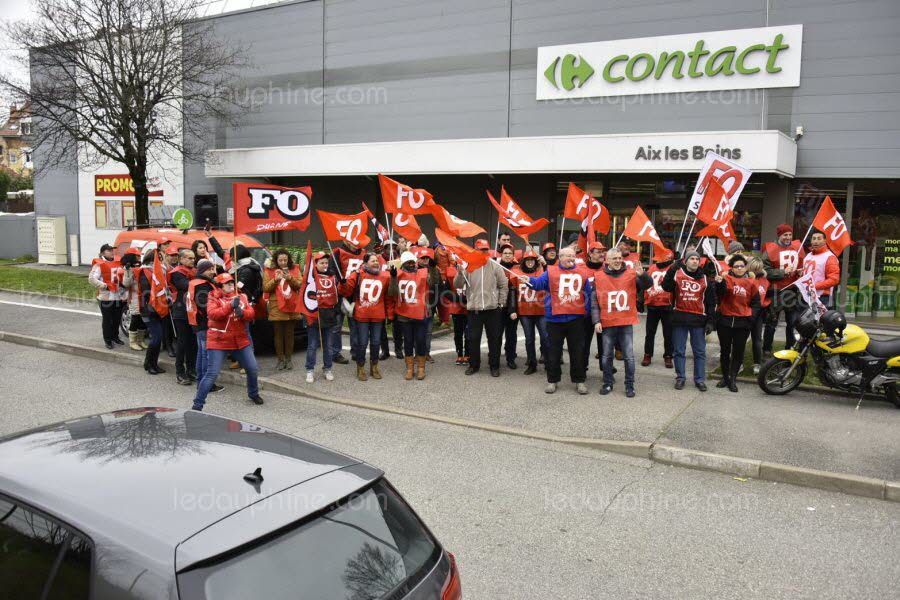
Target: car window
x: 41, y: 558
x: 371, y: 546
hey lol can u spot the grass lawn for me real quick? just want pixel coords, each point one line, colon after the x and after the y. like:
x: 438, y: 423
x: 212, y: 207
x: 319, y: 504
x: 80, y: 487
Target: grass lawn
x: 69, y: 285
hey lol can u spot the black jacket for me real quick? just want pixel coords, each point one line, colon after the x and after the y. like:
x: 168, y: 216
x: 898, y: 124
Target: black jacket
x: 201, y: 299
x: 180, y: 282
x: 512, y: 292
x: 249, y: 273
x: 709, y: 300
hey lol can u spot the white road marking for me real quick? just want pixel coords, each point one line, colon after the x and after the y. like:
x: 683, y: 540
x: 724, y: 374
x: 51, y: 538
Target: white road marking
x: 71, y: 310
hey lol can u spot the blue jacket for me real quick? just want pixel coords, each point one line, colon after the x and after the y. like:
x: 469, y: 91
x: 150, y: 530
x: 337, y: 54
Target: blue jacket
x: 542, y: 283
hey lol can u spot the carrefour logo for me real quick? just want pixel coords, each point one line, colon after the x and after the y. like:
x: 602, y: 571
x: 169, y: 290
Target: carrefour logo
x: 764, y: 57
x: 571, y: 69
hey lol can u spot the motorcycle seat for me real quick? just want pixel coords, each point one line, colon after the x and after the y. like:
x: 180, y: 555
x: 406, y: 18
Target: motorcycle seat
x: 884, y: 348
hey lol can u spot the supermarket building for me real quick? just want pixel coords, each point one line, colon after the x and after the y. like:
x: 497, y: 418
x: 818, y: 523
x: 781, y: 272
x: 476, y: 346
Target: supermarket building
x: 624, y: 98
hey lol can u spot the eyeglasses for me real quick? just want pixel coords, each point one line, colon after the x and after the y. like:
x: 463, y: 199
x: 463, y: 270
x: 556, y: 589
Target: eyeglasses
x: 739, y: 267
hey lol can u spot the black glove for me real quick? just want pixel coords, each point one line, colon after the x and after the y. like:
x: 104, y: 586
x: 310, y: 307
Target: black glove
x: 235, y: 303
x: 393, y: 271
x: 239, y: 311
x: 710, y: 326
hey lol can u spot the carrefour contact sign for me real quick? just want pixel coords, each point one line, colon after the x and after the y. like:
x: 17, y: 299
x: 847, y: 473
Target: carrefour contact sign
x: 764, y: 57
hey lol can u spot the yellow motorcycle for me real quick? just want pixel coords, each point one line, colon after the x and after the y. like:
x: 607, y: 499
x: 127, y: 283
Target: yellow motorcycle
x: 844, y: 356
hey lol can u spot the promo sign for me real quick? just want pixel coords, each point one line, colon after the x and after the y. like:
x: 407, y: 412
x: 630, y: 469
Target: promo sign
x: 264, y: 208
x: 762, y: 57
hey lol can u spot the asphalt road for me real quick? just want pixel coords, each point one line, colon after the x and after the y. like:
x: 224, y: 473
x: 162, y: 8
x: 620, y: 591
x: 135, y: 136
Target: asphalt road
x: 534, y: 520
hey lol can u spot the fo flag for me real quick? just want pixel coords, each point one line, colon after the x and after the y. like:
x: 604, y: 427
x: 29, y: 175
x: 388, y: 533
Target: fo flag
x: 308, y: 290
x: 511, y: 214
x: 723, y: 231
x: 807, y: 286
x: 380, y: 230
x: 407, y: 226
x: 830, y: 222
x: 159, y: 290
x: 730, y: 175
x: 468, y: 258
x: 715, y: 206
x: 580, y: 204
x: 264, y: 208
x: 639, y: 228
x: 454, y: 225
x: 400, y: 198
x: 347, y: 228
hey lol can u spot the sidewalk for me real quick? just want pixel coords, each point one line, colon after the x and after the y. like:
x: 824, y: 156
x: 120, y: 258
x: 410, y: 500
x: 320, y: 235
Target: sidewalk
x: 802, y: 429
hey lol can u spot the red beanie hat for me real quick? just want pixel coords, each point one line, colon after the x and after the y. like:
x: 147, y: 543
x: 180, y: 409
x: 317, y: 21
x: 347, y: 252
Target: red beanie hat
x: 783, y: 228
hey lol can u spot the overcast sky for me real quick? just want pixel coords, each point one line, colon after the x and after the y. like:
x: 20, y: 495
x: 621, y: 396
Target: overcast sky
x: 10, y: 10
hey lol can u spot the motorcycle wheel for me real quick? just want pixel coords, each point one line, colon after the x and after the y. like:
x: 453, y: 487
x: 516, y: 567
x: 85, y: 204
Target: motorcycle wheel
x: 125, y: 323
x: 773, y: 369
x: 890, y: 392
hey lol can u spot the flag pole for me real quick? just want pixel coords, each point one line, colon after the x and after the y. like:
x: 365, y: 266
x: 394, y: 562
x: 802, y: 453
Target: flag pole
x: 690, y: 231
x: 683, y: 224
x: 390, y: 233
x: 333, y: 259
x: 812, y: 223
x: 562, y: 231
x: 507, y: 270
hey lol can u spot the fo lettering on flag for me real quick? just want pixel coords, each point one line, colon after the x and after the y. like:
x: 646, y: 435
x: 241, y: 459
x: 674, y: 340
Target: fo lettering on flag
x: 807, y: 287
x: 400, y: 198
x: 264, y: 208
x: 830, y: 222
x: 580, y: 204
x: 348, y: 228
x: 731, y: 176
x: 511, y: 214
x: 640, y: 229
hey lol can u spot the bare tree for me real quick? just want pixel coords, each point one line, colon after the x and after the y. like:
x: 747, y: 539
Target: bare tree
x: 124, y: 80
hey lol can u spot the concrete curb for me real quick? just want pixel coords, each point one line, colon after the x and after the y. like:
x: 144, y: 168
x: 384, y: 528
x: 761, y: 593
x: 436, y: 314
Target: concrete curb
x: 663, y: 454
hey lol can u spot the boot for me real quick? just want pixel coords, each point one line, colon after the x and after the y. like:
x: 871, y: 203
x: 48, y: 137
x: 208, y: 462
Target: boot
x: 646, y: 361
x: 421, y: 374
x: 723, y: 383
x: 384, y: 354
x: 409, y: 368
x: 668, y: 361
x: 373, y: 370
x: 361, y: 372
x: 151, y: 361
x: 142, y: 339
x: 398, y: 351
x: 133, y: 341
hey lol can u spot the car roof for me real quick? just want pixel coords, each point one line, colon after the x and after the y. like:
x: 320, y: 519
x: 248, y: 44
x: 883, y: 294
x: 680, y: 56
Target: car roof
x: 151, y: 478
x: 182, y: 239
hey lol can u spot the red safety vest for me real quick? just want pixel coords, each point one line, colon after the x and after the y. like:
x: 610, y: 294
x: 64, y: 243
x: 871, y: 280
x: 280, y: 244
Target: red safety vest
x: 784, y: 258
x: 655, y: 295
x: 326, y: 290
x: 736, y: 300
x: 411, y: 303
x: 455, y: 305
x: 617, y: 297
x: 567, y: 289
x: 190, y: 301
x: 762, y: 285
x: 531, y: 301
x: 186, y: 271
x: 289, y: 300
x: 689, y: 293
x: 371, y: 291
x: 110, y: 273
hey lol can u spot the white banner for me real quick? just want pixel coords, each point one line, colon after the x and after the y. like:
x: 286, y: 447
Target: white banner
x: 732, y: 177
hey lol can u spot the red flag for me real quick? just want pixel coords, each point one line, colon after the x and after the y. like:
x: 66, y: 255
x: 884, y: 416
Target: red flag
x: 380, y: 229
x: 454, y: 225
x: 310, y: 306
x: 639, y: 228
x: 577, y: 203
x: 722, y: 230
x: 470, y: 258
x: 407, y: 226
x: 512, y: 215
x: 350, y: 228
x: 715, y: 206
x: 830, y: 222
x: 264, y: 208
x: 159, y: 289
x: 400, y: 198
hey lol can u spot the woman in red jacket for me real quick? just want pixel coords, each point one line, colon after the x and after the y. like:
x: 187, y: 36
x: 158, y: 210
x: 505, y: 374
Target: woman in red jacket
x: 411, y: 286
x: 738, y: 304
x: 227, y: 314
x: 367, y: 289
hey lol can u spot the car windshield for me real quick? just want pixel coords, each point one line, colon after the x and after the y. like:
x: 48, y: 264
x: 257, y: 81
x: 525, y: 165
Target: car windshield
x: 370, y: 546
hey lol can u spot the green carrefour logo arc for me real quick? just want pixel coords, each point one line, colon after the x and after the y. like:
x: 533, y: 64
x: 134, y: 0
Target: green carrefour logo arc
x: 569, y: 72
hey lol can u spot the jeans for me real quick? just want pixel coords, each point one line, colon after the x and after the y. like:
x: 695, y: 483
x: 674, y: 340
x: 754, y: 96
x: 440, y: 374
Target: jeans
x: 488, y: 320
x: 185, y: 348
x: 155, y: 329
x: 791, y: 309
x: 510, y: 330
x: 111, y: 311
x: 369, y: 335
x: 201, y: 360
x: 415, y: 332
x: 655, y: 316
x: 697, y: 335
x: 620, y: 337
x: 337, y: 341
x: 461, y: 334
x: 529, y: 325
x: 572, y: 333
x: 216, y: 357
x: 316, y: 338
x: 732, y: 342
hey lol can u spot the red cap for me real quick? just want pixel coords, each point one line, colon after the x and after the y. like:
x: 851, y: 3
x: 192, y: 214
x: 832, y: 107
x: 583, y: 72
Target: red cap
x: 529, y: 252
x: 783, y: 228
x: 319, y: 255
x: 482, y: 244
x: 164, y: 240
x: 172, y: 251
x: 428, y: 252
x: 223, y: 278
x: 133, y: 250
x: 596, y: 246
x: 548, y: 246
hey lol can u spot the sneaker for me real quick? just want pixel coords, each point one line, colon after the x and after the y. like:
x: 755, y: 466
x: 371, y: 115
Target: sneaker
x: 182, y: 380
x: 329, y: 376
x: 700, y: 386
x: 646, y: 361
x: 465, y: 360
x: 118, y: 342
x: 257, y: 399
x: 679, y: 384
x: 310, y: 377
x: 605, y: 389
x: 512, y: 364
x: 216, y: 388
x: 756, y: 369
x: 197, y: 407
x: 340, y: 359
x: 629, y: 392
x: 495, y: 372
x: 459, y: 361
x: 581, y: 388
x: 550, y: 389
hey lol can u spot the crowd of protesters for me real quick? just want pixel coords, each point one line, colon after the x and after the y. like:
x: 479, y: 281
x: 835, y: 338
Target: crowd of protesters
x: 563, y: 297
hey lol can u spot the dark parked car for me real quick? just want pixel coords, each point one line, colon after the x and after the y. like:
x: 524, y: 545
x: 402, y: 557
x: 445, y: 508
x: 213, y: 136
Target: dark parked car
x: 162, y: 503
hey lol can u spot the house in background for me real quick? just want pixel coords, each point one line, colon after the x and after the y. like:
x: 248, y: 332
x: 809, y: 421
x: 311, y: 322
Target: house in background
x: 15, y: 149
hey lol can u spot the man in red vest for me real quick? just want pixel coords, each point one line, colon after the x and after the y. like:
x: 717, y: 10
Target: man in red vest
x: 658, y: 303
x: 824, y: 267
x: 185, y: 340
x: 614, y: 313
x: 106, y: 276
x: 783, y: 262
